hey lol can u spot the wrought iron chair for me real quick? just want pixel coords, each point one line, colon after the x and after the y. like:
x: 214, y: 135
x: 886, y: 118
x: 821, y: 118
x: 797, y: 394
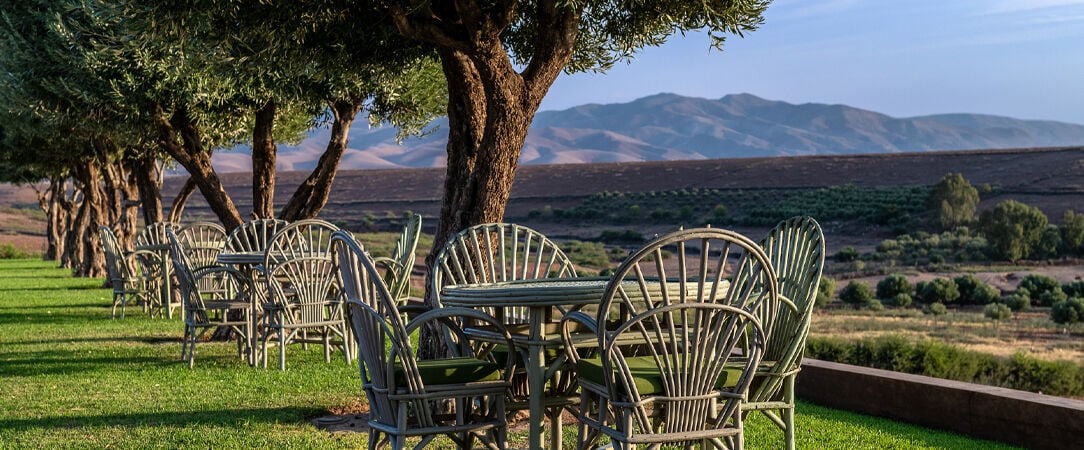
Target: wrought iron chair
x: 401, y: 261
x: 128, y: 282
x: 679, y: 339
x: 202, y: 242
x: 213, y: 297
x: 795, y: 248
x: 158, y: 267
x: 500, y: 252
x: 403, y: 389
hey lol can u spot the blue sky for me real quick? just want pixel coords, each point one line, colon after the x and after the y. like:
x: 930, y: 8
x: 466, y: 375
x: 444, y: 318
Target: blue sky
x: 1015, y: 58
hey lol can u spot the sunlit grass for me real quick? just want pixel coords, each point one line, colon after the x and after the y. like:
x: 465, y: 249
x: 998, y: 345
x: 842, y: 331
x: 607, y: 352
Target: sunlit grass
x: 72, y: 378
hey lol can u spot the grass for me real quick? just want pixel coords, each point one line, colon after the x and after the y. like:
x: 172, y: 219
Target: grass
x: 72, y: 378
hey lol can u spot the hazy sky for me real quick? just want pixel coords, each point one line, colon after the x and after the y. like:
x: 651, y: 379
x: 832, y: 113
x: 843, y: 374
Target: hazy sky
x: 1017, y: 58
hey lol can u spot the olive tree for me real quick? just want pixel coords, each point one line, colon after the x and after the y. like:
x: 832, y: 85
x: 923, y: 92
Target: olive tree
x: 953, y: 201
x: 1013, y: 229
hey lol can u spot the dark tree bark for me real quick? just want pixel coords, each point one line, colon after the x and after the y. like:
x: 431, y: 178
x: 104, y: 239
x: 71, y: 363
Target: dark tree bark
x: 54, y: 202
x: 83, y: 245
x: 149, y: 185
x: 191, y: 155
x: 177, y: 208
x: 311, y: 196
x: 264, y: 154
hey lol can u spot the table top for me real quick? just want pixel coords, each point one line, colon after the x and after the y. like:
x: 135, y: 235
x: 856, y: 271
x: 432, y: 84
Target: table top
x: 152, y: 247
x: 541, y: 292
x: 240, y: 258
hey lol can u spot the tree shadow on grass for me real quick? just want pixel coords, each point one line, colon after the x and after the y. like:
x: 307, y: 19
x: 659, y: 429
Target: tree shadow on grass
x: 222, y: 417
x: 59, y: 362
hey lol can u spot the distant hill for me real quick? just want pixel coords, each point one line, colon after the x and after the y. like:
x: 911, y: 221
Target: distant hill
x: 668, y: 127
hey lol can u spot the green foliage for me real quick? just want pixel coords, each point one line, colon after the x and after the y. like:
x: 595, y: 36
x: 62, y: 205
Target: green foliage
x: 900, y: 300
x: 935, y: 309
x: 953, y: 201
x: 825, y: 290
x: 974, y: 292
x: 856, y: 293
x: 588, y: 254
x: 8, y: 251
x: 918, y: 248
x: 1013, y: 229
x: 997, y: 312
x: 1068, y: 311
x: 1018, y: 302
x: 846, y: 254
x: 1073, y: 288
x: 1035, y: 285
x: 875, y: 305
x: 935, y: 359
x: 894, y: 285
x: 938, y: 290
x: 1072, y: 233
x: 1049, y: 298
x: 621, y: 237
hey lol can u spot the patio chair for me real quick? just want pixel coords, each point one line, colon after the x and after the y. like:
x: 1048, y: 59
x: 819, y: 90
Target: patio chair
x: 795, y: 248
x: 253, y: 236
x: 401, y: 261
x: 679, y: 339
x: 213, y: 297
x: 128, y: 282
x: 309, y: 238
x: 303, y: 297
x: 499, y: 252
x: 202, y: 242
x: 158, y: 267
x: 402, y: 389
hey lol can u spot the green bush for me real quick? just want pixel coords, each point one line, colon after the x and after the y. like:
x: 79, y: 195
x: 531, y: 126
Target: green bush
x: 1013, y: 229
x: 8, y: 251
x: 1037, y: 284
x: 997, y: 312
x: 936, y: 309
x: 1073, y: 288
x: 1049, y: 298
x: 846, y: 254
x: 935, y: 359
x: 1068, y: 311
x: 875, y: 305
x: 894, y: 285
x: 938, y: 290
x: 974, y: 292
x: 856, y: 293
x: 825, y: 289
x: 1018, y: 302
x: 589, y: 254
x: 901, y: 300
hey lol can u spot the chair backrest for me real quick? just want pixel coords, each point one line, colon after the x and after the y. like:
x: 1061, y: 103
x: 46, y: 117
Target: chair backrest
x: 702, y: 265
x: 202, y: 242
x: 309, y: 238
x: 795, y: 248
x: 691, y: 302
x: 115, y: 262
x: 402, y: 259
x: 377, y: 326
x: 155, y: 233
x: 499, y: 252
x: 306, y: 287
x: 253, y: 236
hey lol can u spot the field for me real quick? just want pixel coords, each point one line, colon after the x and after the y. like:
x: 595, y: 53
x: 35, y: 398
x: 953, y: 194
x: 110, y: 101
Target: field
x: 1051, y: 179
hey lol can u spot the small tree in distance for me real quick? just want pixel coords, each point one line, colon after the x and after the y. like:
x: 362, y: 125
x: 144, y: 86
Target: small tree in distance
x: 953, y: 201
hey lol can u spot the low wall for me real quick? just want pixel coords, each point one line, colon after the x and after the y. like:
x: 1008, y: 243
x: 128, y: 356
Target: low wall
x: 987, y: 412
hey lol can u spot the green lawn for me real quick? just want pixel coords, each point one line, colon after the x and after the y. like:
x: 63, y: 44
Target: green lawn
x: 72, y: 378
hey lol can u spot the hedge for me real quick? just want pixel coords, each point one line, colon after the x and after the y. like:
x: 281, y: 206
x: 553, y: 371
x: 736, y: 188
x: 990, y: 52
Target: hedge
x: 935, y: 359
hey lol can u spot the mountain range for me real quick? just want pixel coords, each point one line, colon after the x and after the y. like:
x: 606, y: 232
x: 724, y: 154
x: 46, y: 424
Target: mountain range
x: 672, y: 127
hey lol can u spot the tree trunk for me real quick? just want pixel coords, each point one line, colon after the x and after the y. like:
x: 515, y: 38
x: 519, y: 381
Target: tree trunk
x: 181, y: 200
x: 50, y: 202
x: 312, y: 194
x: 191, y: 155
x: 264, y: 155
x: 149, y: 184
x: 83, y: 244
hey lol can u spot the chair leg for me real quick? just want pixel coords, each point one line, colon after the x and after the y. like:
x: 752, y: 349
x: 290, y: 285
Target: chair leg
x: 282, y: 349
x: 788, y: 413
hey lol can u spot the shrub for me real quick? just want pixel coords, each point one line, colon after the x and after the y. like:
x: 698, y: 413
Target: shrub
x: 876, y: 305
x: 1018, y: 302
x: 892, y: 286
x: 846, y: 254
x: 936, y: 309
x: 901, y: 300
x: 1068, y: 311
x: 719, y: 212
x: 1073, y: 288
x: 8, y: 251
x: 825, y: 289
x: 938, y: 290
x: 1072, y: 233
x: 590, y: 254
x: 1036, y: 285
x: 953, y: 200
x: 856, y: 293
x: 1049, y: 298
x: 1013, y: 229
x: 997, y: 312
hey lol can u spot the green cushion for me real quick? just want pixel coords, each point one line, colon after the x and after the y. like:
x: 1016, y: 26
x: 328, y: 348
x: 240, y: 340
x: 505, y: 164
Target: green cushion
x: 500, y: 353
x: 452, y: 371
x: 645, y: 374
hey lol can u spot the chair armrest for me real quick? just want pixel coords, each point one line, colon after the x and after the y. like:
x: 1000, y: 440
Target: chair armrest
x: 567, y: 323
x: 450, y: 317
